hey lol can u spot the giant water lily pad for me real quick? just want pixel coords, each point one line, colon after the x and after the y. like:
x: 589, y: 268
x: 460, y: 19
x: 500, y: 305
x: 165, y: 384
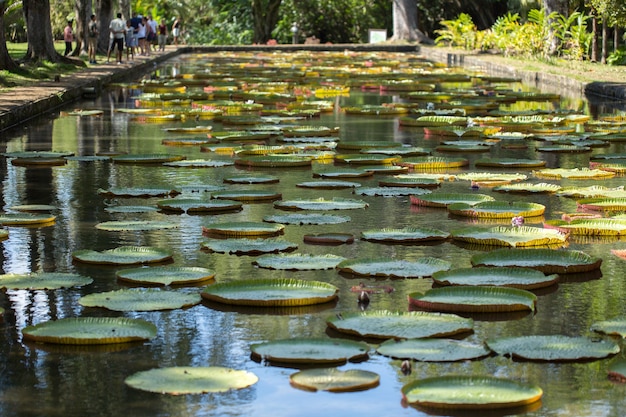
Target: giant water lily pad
x: 298, y: 261
x: 90, y: 331
x: 497, y: 209
x: 243, y: 229
x: 334, y: 380
x: 321, y: 204
x: 548, y: 261
x: 573, y: 173
x: 245, y: 246
x: 404, y: 235
x: 274, y: 161
x: 478, y: 299
x: 491, y: 178
x: 410, y: 182
x: 180, y: 380
x: 363, y: 158
x: 252, y: 179
x: 198, y: 205
x: 310, y: 351
x: 470, y: 392
x: 602, y: 204
x: 165, y: 275
x: 404, y: 325
x: 130, y: 209
x: 123, y: 255
x: 385, y: 267
x: 617, y: 370
x: 25, y: 219
x: 279, y: 292
x: 42, y: 281
x: 127, y: 225
x: 342, y: 173
x: 247, y: 195
x: 146, y: 158
x: 593, y: 191
x: 390, y: 191
x: 510, y: 163
x: 553, y: 347
x: 137, y: 192
x: 198, y: 163
x: 498, y: 276
x: 615, y: 326
x: 328, y: 185
x: 510, y: 236
x: 530, y: 188
x: 308, y: 218
x: 433, y: 350
x: 589, y: 227
x: 432, y: 162
x: 445, y: 199
x: 137, y: 299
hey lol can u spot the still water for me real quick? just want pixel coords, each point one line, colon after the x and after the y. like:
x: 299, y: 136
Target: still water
x: 50, y: 380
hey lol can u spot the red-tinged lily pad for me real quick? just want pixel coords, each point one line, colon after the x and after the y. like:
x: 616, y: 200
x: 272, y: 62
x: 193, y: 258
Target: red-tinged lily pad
x: 602, y: 204
x: 474, y: 299
x: 310, y: 351
x: 433, y: 350
x: 615, y: 326
x: 181, y: 380
x: 334, y: 380
x: 617, y: 370
x: 554, y: 348
x: 247, y: 195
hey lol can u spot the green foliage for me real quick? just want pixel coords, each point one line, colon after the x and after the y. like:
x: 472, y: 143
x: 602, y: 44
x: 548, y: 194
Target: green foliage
x: 617, y: 58
x: 460, y: 32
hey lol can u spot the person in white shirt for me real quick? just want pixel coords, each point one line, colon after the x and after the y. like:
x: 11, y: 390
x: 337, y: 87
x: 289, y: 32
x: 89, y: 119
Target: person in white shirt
x: 117, y: 30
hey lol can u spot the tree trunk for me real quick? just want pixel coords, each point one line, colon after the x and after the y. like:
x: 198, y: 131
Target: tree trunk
x: 616, y: 38
x: 81, y: 8
x: 605, y: 35
x: 562, y: 8
x: 104, y: 14
x: 594, y: 39
x: 405, y: 22
x: 125, y: 9
x: 6, y: 62
x: 39, y: 31
x: 265, y: 15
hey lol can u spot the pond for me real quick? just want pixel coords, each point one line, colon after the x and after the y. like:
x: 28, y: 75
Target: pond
x: 65, y: 380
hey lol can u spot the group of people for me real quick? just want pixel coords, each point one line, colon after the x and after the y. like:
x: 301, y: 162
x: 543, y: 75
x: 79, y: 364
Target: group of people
x: 137, y: 36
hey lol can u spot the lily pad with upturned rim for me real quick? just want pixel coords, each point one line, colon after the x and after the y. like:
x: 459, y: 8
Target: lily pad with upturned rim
x: 432, y: 162
x: 528, y: 279
x: 298, y: 261
x: 165, y: 275
x: 90, y: 331
x: 334, y: 380
x: 553, y: 348
x: 573, y: 173
x: 471, y: 392
x: 310, y: 351
x: 245, y: 246
x: 390, y: 191
x: 279, y: 292
x: 137, y: 192
x: 248, y: 179
x: 24, y: 219
x: 510, y: 236
x: 247, y: 195
x: 433, y: 350
x: 137, y: 299
x: 123, y: 255
x: 509, y: 163
x: 329, y: 238
x: 385, y: 267
x: 445, y: 199
x: 130, y: 209
x: 180, y: 380
x: 383, y: 324
x: 198, y: 205
x: 342, y: 173
x: 588, y: 227
x: 404, y: 235
x: 615, y: 326
x: 410, y: 182
x: 33, y: 207
x: 198, y: 163
x: 321, y: 204
x: 43, y: 281
x: 146, y: 158
x: 529, y: 188
x: 474, y: 299
x: 308, y: 218
x: 497, y: 209
x: 328, y: 185
x: 548, y: 261
x: 135, y: 225
x: 241, y: 229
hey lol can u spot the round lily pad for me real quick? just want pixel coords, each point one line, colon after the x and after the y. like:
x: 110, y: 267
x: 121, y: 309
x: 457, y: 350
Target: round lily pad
x: 390, y: 191
x: 33, y: 207
x: 573, y: 173
x: 90, y: 331
x: 126, y: 225
x: 328, y: 238
x: 548, y: 261
x: 310, y: 351
x: 385, y: 267
x: 510, y: 236
x: 130, y: 209
x: 403, y: 325
x: 248, y: 179
x: 445, y: 199
x: 123, y: 255
x: 334, y: 380
x: 410, y: 182
x: 279, y: 292
x: 308, y: 218
x: 198, y: 163
x: 588, y: 227
x: 342, y: 173
x: 242, y: 229
x: 198, y: 205
x: 298, y: 261
x: 433, y: 350
x: 245, y: 246
x: 470, y: 392
x: 137, y: 192
x: 404, y: 235
x: 474, y: 299
x: 528, y: 188
x: 553, y: 348
x: 24, y: 219
x: 247, y: 195
x: 321, y: 204
x: 615, y: 326
x: 328, y: 185
x: 146, y: 158
x: 180, y: 380
x: 523, y: 278
x: 362, y: 158
x: 42, y: 281
x: 497, y: 209
x: 509, y: 163
x: 274, y: 161
x: 432, y: 162
x: 165, y: 275
x: 137, y: 299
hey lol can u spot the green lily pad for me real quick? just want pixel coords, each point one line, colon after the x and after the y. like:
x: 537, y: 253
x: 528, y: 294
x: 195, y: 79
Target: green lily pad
x: 309, y: 218
x: 363, y: 158
x: 529, y: 188
x: 310, y: 351
x: 342, y: 173
x: 279, y: 292
x: 385, y: 267
x: 553, y: 348
x: 246, y: 246
x: 123, y: 255
x: 130, y: 209
x: 573, y: 173
x: 321, y: 204
x: 602, y: 204
x: 198, y: 205
x: 395, y: 150
x: 198, y: 163
x: 615, y: 326
x: 328, y: 185
x: 298, y: 261
x: 37, y: 154
x: 594, y: 191
x: 33, y: 207
x: 247, y: 195
x: 548, y: 261
x: 510, y: 163
x: 445, y: 199
x: 470, y: 392
x: 274, y: 161
x: 523, y: 278
x: 165, y: 275
x: 404, y: 325
x: 433, y: 350
x: 390, y: 191
x: 491, y: 177
x: 510, y: 236
x: 404, y: 235
x: 181, y: 380
x: 25, y: 219
x: 497, y: 209
x: 432, y: 162
x: 242, y: 229
x: 42, y: 281
x: 564, y: 149
x: 358, y: 145
x: 474, y: 299
x: 137, y: 192
x: 588, y: 227
x: 90, y: 331
x: 138, y: 299
x: 248, y: 179
x: 410, y: 182
x: 146, y: 158
x: 126, y: 225
x: 334, y: 380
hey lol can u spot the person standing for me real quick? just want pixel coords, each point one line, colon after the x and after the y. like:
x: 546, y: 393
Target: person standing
x: 141, y: 36
x: 68, y: 37
x: 153, y: 32
x: 130, y: 42
x: 117, y: 31
x: 176, y: 30
x: 162, y: 30
x: 92, y: 30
